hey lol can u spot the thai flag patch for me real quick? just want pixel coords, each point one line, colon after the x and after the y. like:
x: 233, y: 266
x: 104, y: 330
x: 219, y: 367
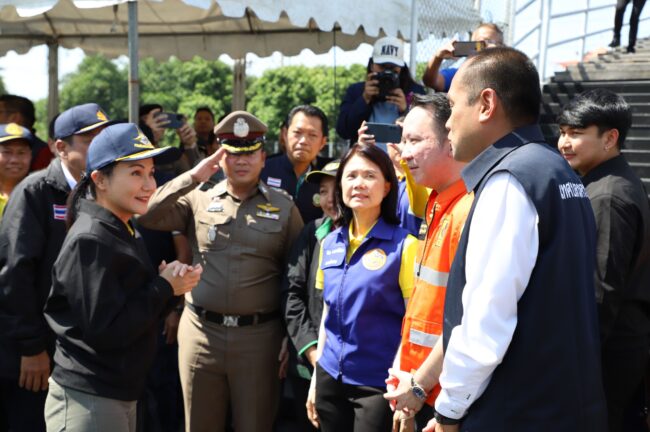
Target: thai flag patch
x: 274, y: 182
x: 60, y: 212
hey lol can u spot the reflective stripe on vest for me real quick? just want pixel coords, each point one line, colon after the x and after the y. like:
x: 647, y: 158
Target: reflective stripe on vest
x: 431, y: 276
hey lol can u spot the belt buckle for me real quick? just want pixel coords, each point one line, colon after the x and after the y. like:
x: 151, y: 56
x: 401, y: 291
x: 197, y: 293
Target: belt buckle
x: 230, y: 321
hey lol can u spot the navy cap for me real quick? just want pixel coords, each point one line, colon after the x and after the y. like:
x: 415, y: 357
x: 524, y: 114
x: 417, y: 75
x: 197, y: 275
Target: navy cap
x: 124, y: 142
x: 79, y: 119
x: 13, y: 131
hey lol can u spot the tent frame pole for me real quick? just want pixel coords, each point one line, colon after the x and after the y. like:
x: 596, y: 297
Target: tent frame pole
x: 134, y: 79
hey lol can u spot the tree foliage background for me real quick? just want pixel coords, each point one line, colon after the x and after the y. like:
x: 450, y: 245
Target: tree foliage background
x: 184, y: 86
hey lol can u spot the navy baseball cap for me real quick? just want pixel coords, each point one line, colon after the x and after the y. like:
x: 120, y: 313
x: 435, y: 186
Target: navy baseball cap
x: 79, y: 119
x: 124, y: 142
x: 13, y: 131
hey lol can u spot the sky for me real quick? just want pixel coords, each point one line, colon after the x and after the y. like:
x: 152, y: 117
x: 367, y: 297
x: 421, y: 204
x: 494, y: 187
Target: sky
x: 26, y: 74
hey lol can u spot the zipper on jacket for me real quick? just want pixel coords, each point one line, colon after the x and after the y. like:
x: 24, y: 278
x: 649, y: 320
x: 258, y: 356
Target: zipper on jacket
x: 340, y: 320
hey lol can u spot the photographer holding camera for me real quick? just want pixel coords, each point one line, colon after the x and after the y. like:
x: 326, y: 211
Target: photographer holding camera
x: 384, y: 95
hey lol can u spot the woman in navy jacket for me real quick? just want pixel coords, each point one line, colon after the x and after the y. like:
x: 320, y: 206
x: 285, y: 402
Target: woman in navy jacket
x: 106, y: 298
x: 366, y: 273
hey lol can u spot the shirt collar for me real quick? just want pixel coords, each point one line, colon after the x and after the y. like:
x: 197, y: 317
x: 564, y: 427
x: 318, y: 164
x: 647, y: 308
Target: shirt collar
x: 382, y: 230
x: 222, y: 188
x: 474, y: 172
x: 606, y: 168
x: 68, y: 177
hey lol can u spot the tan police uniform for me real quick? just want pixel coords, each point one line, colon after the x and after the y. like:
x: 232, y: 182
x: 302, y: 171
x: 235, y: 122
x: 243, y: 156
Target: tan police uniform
x: 230, y: 332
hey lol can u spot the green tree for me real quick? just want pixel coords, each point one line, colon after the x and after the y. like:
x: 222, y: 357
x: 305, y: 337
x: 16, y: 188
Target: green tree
x: 97, y: 80
x: 271, y: 96
x: 184, y: 86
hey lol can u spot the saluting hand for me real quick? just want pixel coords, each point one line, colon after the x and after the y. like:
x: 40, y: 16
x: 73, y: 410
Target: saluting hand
x: 207, y: 167
x: 182, y: 277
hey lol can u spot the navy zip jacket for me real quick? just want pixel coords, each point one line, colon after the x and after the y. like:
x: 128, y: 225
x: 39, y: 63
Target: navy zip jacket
x: 104, y: 307
x: 31, y: 235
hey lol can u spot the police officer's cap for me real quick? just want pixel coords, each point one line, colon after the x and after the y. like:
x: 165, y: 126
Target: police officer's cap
x: 79, y: 119
x: 12, y: 131
x: 124, y: 142
x: 240, y: 132
x: 328, y: 170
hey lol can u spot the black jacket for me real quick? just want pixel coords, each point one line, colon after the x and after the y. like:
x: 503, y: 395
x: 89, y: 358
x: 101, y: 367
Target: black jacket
x: 278, y: 173
x: 31, y: 235
x: 104, y: 307
x: 620, y: 204
x: 302, y: 303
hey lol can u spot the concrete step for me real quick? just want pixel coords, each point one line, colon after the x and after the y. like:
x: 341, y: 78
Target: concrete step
x: 618, y: 86
x: 637, y: 99
x: 640, y: 133
x: 636, y: 156
x: 637, y: 107
x: 629, y: 72
x: 635, y: 142
x: 642, y: 169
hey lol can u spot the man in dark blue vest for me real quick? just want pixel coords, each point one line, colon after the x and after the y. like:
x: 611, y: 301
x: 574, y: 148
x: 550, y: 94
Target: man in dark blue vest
x: 520, y: 329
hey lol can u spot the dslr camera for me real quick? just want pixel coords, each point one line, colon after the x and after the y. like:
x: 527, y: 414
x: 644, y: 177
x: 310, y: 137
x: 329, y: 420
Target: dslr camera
x: 388, y: 80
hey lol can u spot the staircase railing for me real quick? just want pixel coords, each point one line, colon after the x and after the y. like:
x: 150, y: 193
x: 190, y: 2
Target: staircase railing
x: 545, y: 18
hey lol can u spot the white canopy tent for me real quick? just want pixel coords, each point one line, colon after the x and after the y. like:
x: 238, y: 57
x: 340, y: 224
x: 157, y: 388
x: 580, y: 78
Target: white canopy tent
x: 209, y: 28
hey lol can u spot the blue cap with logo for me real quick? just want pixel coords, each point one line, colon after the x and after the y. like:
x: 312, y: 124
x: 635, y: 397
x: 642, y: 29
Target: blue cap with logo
x: 13, y: 131
x: 124, y: 142
x: 79, y: 119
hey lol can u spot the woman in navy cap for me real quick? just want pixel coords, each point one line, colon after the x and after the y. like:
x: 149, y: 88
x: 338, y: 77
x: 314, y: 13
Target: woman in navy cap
x: 366, y: 273
x: 106, y: 298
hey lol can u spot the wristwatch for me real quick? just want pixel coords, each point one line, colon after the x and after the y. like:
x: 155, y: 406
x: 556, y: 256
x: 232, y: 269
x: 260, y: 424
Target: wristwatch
x: 442, y: 420
x: 418, y: 391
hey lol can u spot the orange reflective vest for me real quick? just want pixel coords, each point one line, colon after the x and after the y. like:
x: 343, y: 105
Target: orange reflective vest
x: 445, y: 217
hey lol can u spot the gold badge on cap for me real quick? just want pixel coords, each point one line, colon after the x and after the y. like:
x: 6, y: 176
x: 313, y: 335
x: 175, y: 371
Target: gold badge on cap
x: 14, y: 129
x: 332, y: 166
x: 240, y: 128
x: 374, y: 259
x: 101, y: 116
x: 141, y: 141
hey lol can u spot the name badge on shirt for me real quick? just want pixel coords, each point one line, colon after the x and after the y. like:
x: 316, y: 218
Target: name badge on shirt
x: 215, y: 206
x: 374, y: 259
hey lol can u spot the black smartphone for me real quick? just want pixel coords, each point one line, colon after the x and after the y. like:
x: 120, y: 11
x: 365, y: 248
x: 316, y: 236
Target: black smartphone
x: 175, y: 120
x: 385, y: 133
x: 468, y: 49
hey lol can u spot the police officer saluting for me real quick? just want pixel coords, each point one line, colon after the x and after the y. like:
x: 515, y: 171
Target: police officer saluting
x: 240, y: 231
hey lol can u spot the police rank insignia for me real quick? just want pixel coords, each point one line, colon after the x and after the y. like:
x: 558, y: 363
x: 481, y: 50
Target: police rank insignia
x: 374, y: 259
x: 267, y: 211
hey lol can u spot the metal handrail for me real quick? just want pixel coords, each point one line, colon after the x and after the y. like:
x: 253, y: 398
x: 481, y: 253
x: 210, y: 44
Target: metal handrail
x: 543, y: 24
